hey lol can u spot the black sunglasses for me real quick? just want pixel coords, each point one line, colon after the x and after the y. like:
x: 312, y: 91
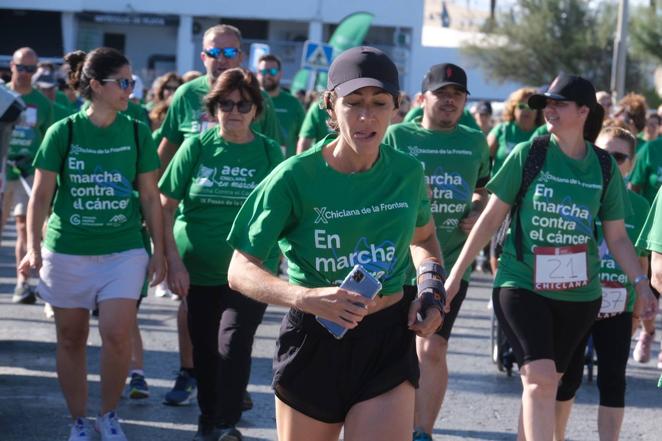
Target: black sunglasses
x: 123, y: 83
x: 619, y: 157
x: 29, y: 68
x: 227, y: 52
x: 243, y: 106
x: 273, y: 71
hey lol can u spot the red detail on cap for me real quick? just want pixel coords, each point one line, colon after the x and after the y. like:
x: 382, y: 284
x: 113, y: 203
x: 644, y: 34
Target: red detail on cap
x: 449, y: 72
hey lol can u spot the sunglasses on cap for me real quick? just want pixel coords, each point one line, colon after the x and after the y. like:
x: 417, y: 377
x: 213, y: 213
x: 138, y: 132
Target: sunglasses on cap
x: 123, y: 83
x: 243, y: 106
x: 619, y: 157
x: 227, y: 52
x: 28, y: 68
x: 273, y: 71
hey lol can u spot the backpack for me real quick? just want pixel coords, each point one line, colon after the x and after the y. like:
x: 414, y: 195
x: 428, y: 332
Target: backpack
x: 532, y: 167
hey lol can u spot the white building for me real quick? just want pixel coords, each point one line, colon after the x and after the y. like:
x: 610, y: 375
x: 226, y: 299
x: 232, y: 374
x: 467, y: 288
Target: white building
x: 162, y: 35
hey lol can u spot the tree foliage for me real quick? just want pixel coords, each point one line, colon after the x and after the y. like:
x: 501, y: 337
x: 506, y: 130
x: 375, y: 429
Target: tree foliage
x: 646, y: 34
x: 537, y: 39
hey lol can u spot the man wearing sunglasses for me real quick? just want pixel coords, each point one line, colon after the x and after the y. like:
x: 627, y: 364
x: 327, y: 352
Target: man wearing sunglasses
x: 25, y: 140
x: 221, y: 50
x: 289, y: 111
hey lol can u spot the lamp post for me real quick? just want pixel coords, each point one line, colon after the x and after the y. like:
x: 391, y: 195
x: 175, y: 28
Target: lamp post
x: 620, y: 51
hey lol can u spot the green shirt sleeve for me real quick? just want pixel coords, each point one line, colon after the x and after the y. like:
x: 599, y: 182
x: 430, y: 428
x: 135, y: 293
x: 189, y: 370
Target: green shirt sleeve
x: 170, y: 128
x: 263, y: 217
x: 507, y: 181
x: 496, y: 131
x: 468, y: 120
x: 149, y: 159
x: 52, y: 150
x: 177, y: 177
x: 413, y: 114
x: 651, y: 234
x: 314, y: 123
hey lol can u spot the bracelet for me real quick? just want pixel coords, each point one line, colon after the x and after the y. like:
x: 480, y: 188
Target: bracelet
x: 639, y: 278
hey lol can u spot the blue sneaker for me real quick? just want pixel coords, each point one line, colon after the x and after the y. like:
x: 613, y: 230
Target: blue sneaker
x: 419, y: 435
x: 138, y: 387
x: 183, y: 391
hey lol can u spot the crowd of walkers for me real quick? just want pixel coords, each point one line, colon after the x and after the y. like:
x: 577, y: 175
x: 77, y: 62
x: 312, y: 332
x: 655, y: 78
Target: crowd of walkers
x: 206, y: 185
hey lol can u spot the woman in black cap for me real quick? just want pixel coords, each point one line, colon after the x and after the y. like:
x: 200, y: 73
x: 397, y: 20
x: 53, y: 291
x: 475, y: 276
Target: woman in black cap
x: 348, y: 200
x: 547, y: 291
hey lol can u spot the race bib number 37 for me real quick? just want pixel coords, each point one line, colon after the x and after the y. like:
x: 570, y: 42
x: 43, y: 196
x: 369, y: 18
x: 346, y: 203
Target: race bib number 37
x: 614, y: 298
x: 560, y: 268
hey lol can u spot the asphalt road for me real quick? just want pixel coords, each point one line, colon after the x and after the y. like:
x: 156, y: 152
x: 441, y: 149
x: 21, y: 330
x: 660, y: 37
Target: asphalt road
x: 481, y: 403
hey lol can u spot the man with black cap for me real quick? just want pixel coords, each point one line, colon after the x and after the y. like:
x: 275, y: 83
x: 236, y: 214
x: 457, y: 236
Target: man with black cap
x: 44, y: 81
x: 456, y: 163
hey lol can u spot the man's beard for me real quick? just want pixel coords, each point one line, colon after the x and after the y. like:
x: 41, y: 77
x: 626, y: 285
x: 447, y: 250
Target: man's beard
x: 270, y: 86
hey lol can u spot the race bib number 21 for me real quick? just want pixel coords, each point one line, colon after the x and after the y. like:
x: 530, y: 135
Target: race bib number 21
x: 560, y: 268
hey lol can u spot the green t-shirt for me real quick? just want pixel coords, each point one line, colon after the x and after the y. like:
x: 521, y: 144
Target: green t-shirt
x: 647, y: 171
x: 157, y: 136
x: 325, y: 222
x: 290, y: 114
x: 137, y: 112
x: 610, y: 271
x: 187, y: 115
x: 558, y: 210
x: 314, y: 123
x: 61, y: 112
x: 95, y: 211
x: 28, y: 133
x: 455, y: 163
x: 61, y: 99
x: 212, y: 178
x: 651, y: 235
x: 467, y: 119
x: 508, y: 135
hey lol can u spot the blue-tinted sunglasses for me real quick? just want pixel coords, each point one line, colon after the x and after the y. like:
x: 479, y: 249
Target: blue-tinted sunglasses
x: 123, y: 83
x: 228, y: 52
x: 273, y: 71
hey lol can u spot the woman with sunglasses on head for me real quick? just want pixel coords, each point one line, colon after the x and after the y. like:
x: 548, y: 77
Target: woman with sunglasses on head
x: 612, y: 331
x: 348, y: 200
x: 93, y: 255
x: 547, y: 291
x: 202, y: 189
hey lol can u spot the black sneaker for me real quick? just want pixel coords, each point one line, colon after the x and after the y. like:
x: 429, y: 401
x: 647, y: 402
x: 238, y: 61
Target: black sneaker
x: 184, y: 390
x: 230, y: 433
x: 246, y: 402
x: 206, y: 431
x: 24, y: 294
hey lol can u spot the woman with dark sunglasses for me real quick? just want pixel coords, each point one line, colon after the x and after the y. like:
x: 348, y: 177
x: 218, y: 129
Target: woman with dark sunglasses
x: 205, y: 184
x: 547, y: 291
x: 612, y: 330
x: 93, y: 255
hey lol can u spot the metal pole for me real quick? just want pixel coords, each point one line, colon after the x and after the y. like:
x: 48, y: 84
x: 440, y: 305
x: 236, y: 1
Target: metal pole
x: 620, y: 51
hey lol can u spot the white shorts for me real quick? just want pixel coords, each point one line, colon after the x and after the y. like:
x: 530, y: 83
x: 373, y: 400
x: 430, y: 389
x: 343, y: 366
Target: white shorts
x: 72, y: 281
x: 16, y: 196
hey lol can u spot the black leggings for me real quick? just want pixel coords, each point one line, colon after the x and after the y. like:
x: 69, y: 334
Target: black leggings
x: 540, y: 328
x: 611, y: 341
x: 222, y: 323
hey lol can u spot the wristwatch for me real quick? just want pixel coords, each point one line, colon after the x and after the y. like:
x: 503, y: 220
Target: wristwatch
x: 639, y: 278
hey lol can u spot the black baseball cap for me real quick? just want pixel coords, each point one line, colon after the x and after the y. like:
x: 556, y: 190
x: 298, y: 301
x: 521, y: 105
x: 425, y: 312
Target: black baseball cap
x: 363, y: 66
x: 446, y: 74
x: 484, y: 107
x: 566, y: 88
x: 44, y: 79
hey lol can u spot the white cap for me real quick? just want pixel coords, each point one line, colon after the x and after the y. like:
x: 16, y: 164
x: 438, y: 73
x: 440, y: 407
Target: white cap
x: 138, y: 89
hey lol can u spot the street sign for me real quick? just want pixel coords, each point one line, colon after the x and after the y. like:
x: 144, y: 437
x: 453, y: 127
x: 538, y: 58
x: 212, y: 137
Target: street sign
x: 316, y: 56
x: 257, y: 50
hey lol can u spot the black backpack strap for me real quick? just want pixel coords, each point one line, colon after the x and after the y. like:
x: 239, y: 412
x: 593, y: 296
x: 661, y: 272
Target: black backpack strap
x: 70, y: 137
x: 532, y: 166
x: 605, y: 166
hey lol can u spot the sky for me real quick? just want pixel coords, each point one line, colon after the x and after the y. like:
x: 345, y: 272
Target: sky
x: 485, y: 4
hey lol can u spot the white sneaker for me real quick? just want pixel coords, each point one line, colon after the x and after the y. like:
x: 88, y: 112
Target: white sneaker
x: 162, y: 290
x: 109, y: 427
x: 80, y: 430
x: 48, y: 311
